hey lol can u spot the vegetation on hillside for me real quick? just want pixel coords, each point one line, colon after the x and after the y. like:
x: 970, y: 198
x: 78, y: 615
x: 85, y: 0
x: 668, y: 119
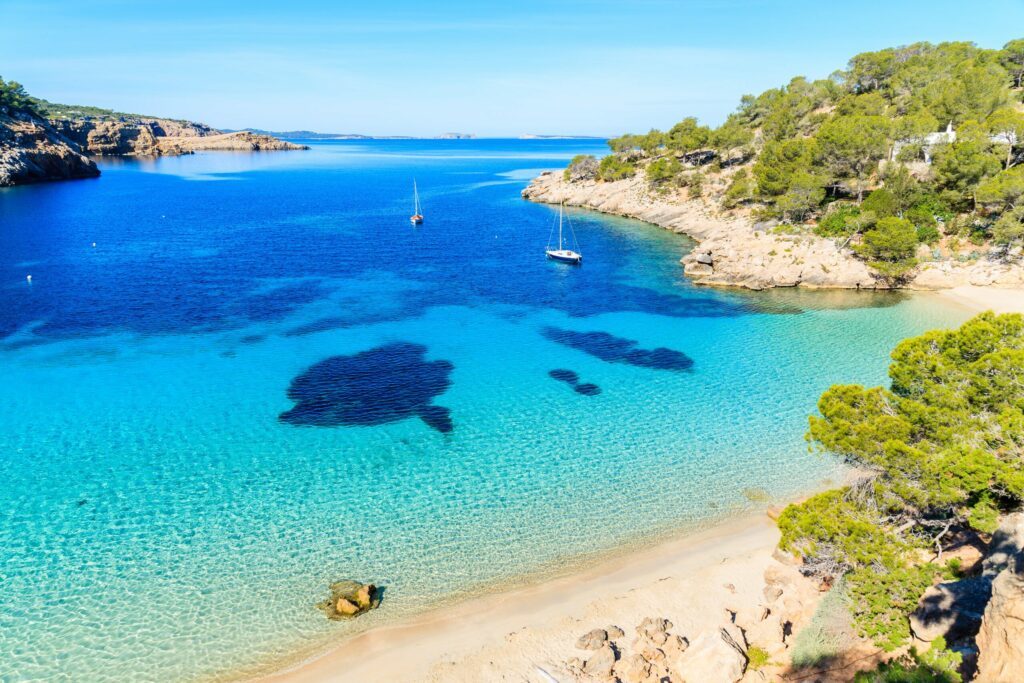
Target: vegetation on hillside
x: 943, y: 451
x: 14, y: 97
x: 864, y: 156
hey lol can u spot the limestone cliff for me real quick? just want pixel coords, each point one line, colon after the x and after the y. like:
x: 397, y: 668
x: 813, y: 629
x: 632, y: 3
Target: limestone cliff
x: 732, y: 251
x: 736, y: 251
x: 160, y: 137
x: 31, y: 150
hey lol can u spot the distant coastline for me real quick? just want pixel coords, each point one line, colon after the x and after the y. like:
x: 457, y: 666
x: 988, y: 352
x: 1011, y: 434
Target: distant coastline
x: 316, y: 135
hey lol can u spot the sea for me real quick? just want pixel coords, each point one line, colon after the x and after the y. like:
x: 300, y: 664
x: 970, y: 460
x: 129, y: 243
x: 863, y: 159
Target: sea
x: 228, y: 380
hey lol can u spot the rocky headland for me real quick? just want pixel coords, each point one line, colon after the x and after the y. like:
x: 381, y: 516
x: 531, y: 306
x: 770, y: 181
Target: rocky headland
x: 735, y: 250
x: 160, y: 137
x: 40, y: 141
x: 31, y: 151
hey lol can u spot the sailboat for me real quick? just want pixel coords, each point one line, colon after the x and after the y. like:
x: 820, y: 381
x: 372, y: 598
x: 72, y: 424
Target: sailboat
x: 417, y: 214
x: 561, y: 253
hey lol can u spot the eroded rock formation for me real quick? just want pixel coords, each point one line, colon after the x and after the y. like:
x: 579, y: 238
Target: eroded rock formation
x: 33, y: 151
x: 160, y: 137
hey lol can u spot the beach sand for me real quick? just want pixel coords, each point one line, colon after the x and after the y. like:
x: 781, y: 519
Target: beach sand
x: 1000, y: 300
x: 506, y: 636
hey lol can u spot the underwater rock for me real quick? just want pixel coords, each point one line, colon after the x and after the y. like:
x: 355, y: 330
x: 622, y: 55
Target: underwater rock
x: 350, y: 599
x: 572, y: 379
x: 563, y: 375
x: 612, y: 349
x: 385, y: 384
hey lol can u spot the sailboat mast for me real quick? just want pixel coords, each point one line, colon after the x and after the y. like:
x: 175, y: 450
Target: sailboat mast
x: 561, y: 205
x: 415, y: 199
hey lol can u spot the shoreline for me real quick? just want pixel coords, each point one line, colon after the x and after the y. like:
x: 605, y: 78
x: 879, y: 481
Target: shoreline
x: 735, y: 251
x: 978, y: 298
x: 509, y: 632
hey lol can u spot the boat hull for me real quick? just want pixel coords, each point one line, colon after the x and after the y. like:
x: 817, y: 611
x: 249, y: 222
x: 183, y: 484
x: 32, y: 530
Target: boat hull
x: 563, y: 257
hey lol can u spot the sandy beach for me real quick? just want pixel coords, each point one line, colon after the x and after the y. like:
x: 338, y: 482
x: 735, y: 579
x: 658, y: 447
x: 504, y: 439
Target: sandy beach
x: 1000, y: 300
x: 509, y: 636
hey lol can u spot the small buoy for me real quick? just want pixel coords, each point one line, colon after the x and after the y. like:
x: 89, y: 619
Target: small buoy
x: 29, y: 278
x: 94, y: 244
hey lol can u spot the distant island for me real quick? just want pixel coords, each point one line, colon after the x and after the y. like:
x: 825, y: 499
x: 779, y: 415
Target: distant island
x: 530, y: 136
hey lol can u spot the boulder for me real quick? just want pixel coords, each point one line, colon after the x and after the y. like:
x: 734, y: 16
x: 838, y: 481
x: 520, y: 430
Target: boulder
x: 592, y: 640
x: 1007, y: 543
x: 714, y: 657
x: 634, y: 669
x: 675, y: 646
x: 654, y: 628
x: 951, y: 610
x: 350, y: 599
x: 364, y: 596
x: 600, y: 664
x: 1001, y: 638
x: 346, y: 608
x: 615, y: 632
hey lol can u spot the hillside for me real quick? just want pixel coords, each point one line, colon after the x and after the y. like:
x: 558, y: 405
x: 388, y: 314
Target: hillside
x: 907, y: 164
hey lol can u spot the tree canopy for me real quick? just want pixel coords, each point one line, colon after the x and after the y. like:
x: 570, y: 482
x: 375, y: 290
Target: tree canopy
x: 942, y: 446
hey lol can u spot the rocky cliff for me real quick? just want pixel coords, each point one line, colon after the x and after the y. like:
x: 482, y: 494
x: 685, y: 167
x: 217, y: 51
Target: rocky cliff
x: 735, y: 251
x: 31, y: 150
x: 160, y: 137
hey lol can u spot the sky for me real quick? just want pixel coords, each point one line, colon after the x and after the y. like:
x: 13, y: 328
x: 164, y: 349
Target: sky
x: 380, y: 67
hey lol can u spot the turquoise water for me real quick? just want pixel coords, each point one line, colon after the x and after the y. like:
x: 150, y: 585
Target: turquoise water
x: 162, y: 521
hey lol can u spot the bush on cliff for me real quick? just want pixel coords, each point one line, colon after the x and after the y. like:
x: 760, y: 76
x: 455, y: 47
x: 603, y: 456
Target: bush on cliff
x: 582, y: 167
x: 663, y: 170
x: 613, y: 167
x: 943, y: 447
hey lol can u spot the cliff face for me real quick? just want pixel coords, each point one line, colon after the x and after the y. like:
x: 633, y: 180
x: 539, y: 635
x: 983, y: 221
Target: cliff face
x: 734, y: 251
x: 160, y: 137
x: 31, y: 150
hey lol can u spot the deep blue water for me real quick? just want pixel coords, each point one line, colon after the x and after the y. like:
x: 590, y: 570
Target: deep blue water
x: 236, y: 378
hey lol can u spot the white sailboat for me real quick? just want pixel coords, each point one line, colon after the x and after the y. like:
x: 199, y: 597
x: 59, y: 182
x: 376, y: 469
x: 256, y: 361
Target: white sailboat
x: 417, y: 214
x: 561, y: 253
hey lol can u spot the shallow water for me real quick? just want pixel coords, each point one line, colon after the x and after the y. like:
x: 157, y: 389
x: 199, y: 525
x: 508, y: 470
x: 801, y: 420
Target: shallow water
x: 164, y: 517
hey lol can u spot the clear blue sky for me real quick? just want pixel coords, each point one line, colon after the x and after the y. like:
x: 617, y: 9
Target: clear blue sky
x: 427, y: 67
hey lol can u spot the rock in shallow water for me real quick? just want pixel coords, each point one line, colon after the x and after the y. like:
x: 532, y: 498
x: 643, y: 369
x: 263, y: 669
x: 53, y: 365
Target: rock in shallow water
x: 350, y: 599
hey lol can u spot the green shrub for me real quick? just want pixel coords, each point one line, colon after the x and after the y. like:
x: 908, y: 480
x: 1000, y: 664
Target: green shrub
x: 882, y: 599
x: 839, y: 222
x: 828, y: 634
x: 927, y: 234
x: 740, y: 190
x: 757, y: 658
x: 935, y: 665
x: 613, y: 167
x: 662, y: 170
x: 694, y: 182
x: 882, y: 202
